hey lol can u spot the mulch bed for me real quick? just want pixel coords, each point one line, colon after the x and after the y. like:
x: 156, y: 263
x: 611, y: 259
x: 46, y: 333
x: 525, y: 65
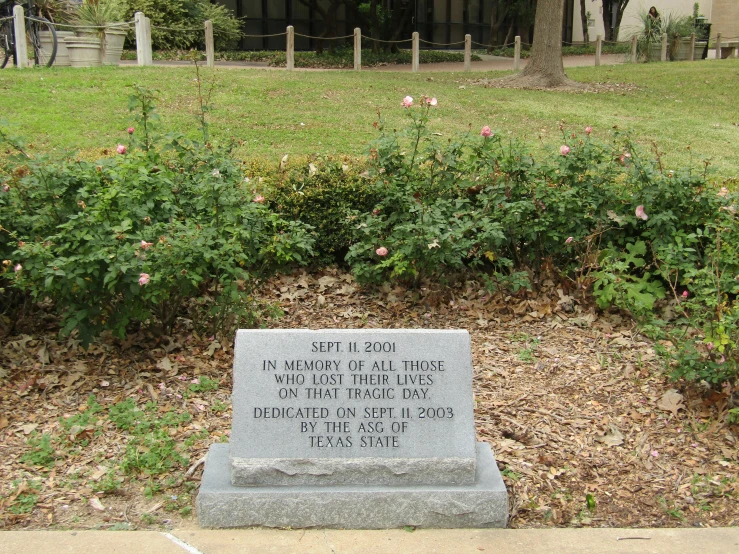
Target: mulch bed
x: 586, y: 428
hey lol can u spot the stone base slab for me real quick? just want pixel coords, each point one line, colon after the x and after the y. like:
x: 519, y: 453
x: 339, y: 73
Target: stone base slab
x: 250, y: 472
x: 222, y: 505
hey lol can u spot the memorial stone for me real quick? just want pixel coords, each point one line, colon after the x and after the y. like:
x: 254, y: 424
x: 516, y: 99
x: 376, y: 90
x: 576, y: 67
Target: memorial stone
x: 352, y: 429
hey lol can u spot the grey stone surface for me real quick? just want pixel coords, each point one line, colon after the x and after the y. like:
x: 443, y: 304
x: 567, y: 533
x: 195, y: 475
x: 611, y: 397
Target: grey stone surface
x: 222, y: 505
x: 308, y: 409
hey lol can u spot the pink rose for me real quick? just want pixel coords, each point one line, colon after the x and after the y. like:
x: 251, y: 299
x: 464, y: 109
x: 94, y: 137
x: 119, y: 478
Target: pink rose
x: 121, y: 149
x: 588, y: 129
x: 569, y: 240
x: 259, y: 199
x: 640, y: 212
x: 407, y: 102
x: 382, y: 251
x: 18, y: 268
x: 709, y: 346
x: 143, y: 279
x: 146, y: 245
x: 130, y: 130
x: 486, y: 132
x: 432, y: 101
x: 564, y: 149
x: 685, y: 294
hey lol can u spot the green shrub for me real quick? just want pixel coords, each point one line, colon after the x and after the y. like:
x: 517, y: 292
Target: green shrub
x: 173, y: 21
x: 322, y: 193
x: 131, y: 239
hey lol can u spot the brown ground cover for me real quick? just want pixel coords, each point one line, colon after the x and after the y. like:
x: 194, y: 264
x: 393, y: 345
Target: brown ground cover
x: 586, y: 428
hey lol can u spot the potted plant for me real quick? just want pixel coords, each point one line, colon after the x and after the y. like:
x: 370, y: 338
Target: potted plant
x: 99, y: 23
x: 58, y: 12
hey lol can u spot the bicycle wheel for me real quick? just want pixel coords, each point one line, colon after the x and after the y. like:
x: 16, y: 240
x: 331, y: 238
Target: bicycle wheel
x: 42, y: 39
x: 6, y: 43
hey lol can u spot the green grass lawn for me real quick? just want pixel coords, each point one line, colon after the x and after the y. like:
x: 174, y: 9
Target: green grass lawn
x: 306, y: 112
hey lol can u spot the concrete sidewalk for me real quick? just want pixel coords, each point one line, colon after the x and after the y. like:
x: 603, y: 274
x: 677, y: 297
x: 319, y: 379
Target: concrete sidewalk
x: 488, y: 63
x: 423, y: 541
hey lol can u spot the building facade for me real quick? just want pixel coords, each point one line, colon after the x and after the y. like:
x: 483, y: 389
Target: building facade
x: 722, y: 14
x: 437, y: 21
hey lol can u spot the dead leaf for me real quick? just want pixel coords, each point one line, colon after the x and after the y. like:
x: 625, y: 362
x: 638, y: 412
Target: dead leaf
x: 43, y: 355
x: 215, y: 345
x: 95, y: 504
x: 29, y: 428
x: 613, y: 437
x: 671, y: 401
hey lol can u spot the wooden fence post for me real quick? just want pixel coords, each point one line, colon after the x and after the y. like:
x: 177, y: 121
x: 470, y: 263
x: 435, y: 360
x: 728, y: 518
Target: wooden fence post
x: 290, y: 48
x: 467, y: 52
x: 691, y: 55
x: 138, y: 20
x: 517, y: 54
x: 21, y: 46
x: 210, y: 54
x: 718, y: 46
x: 634, y: 41
x: 416, y: 53
x: 148, y: 55
x: 663, y: 52
x: 598, y: 49
x: 357, y: 49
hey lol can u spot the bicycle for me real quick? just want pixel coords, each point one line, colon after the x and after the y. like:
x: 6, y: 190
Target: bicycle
x: 40, y: 34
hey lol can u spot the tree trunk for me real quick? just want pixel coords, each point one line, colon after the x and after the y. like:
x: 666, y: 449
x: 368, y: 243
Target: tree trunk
x: 497, y: 16
x: 544, y: 68
x: 619, y: 16
x: 375, y: 25
x: 584, y: 20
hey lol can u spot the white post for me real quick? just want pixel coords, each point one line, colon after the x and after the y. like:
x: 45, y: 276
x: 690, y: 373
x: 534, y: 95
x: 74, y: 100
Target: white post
x: 598, y: 49
x: 210, y: 55
x: 663, y: 53
x: 517, y: 54
x: 21, y: 46
x: 718, y: 46
x: 148, y: 56
x: 691, y: 54
x: 290, y: 54
x: 138, y: 19
x: 415, y: 53
x: 634, y: 41
x: 467, y: 52
x: 357, y: 49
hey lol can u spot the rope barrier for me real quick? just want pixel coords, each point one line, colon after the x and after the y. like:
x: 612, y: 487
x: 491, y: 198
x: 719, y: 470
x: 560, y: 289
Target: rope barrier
x: 323, y: 38
x: 122, y: 25
x: 388, y: 41
x: 178, y: 28
x: 265, y: 36
x: 439, y: 43
x: 496, y: 46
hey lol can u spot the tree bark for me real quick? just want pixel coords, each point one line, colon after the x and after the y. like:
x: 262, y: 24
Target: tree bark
x: 608, y: 14
x: 544, y: 68
x: 584, y: 20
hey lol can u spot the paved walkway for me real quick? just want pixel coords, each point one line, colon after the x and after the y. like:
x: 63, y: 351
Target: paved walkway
x: 439, y: 541
x: 488, y: 63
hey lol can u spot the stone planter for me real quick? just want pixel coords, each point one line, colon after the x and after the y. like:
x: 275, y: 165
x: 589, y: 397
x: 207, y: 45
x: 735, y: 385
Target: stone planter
x: 681, y: 52
x: 654, y: 52
x: 84, y: 51
x: 112, y: 48
x: 62, y: 54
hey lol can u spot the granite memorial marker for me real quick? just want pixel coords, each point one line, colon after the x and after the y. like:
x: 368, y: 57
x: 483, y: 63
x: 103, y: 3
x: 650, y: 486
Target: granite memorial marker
x: 360, y: 429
